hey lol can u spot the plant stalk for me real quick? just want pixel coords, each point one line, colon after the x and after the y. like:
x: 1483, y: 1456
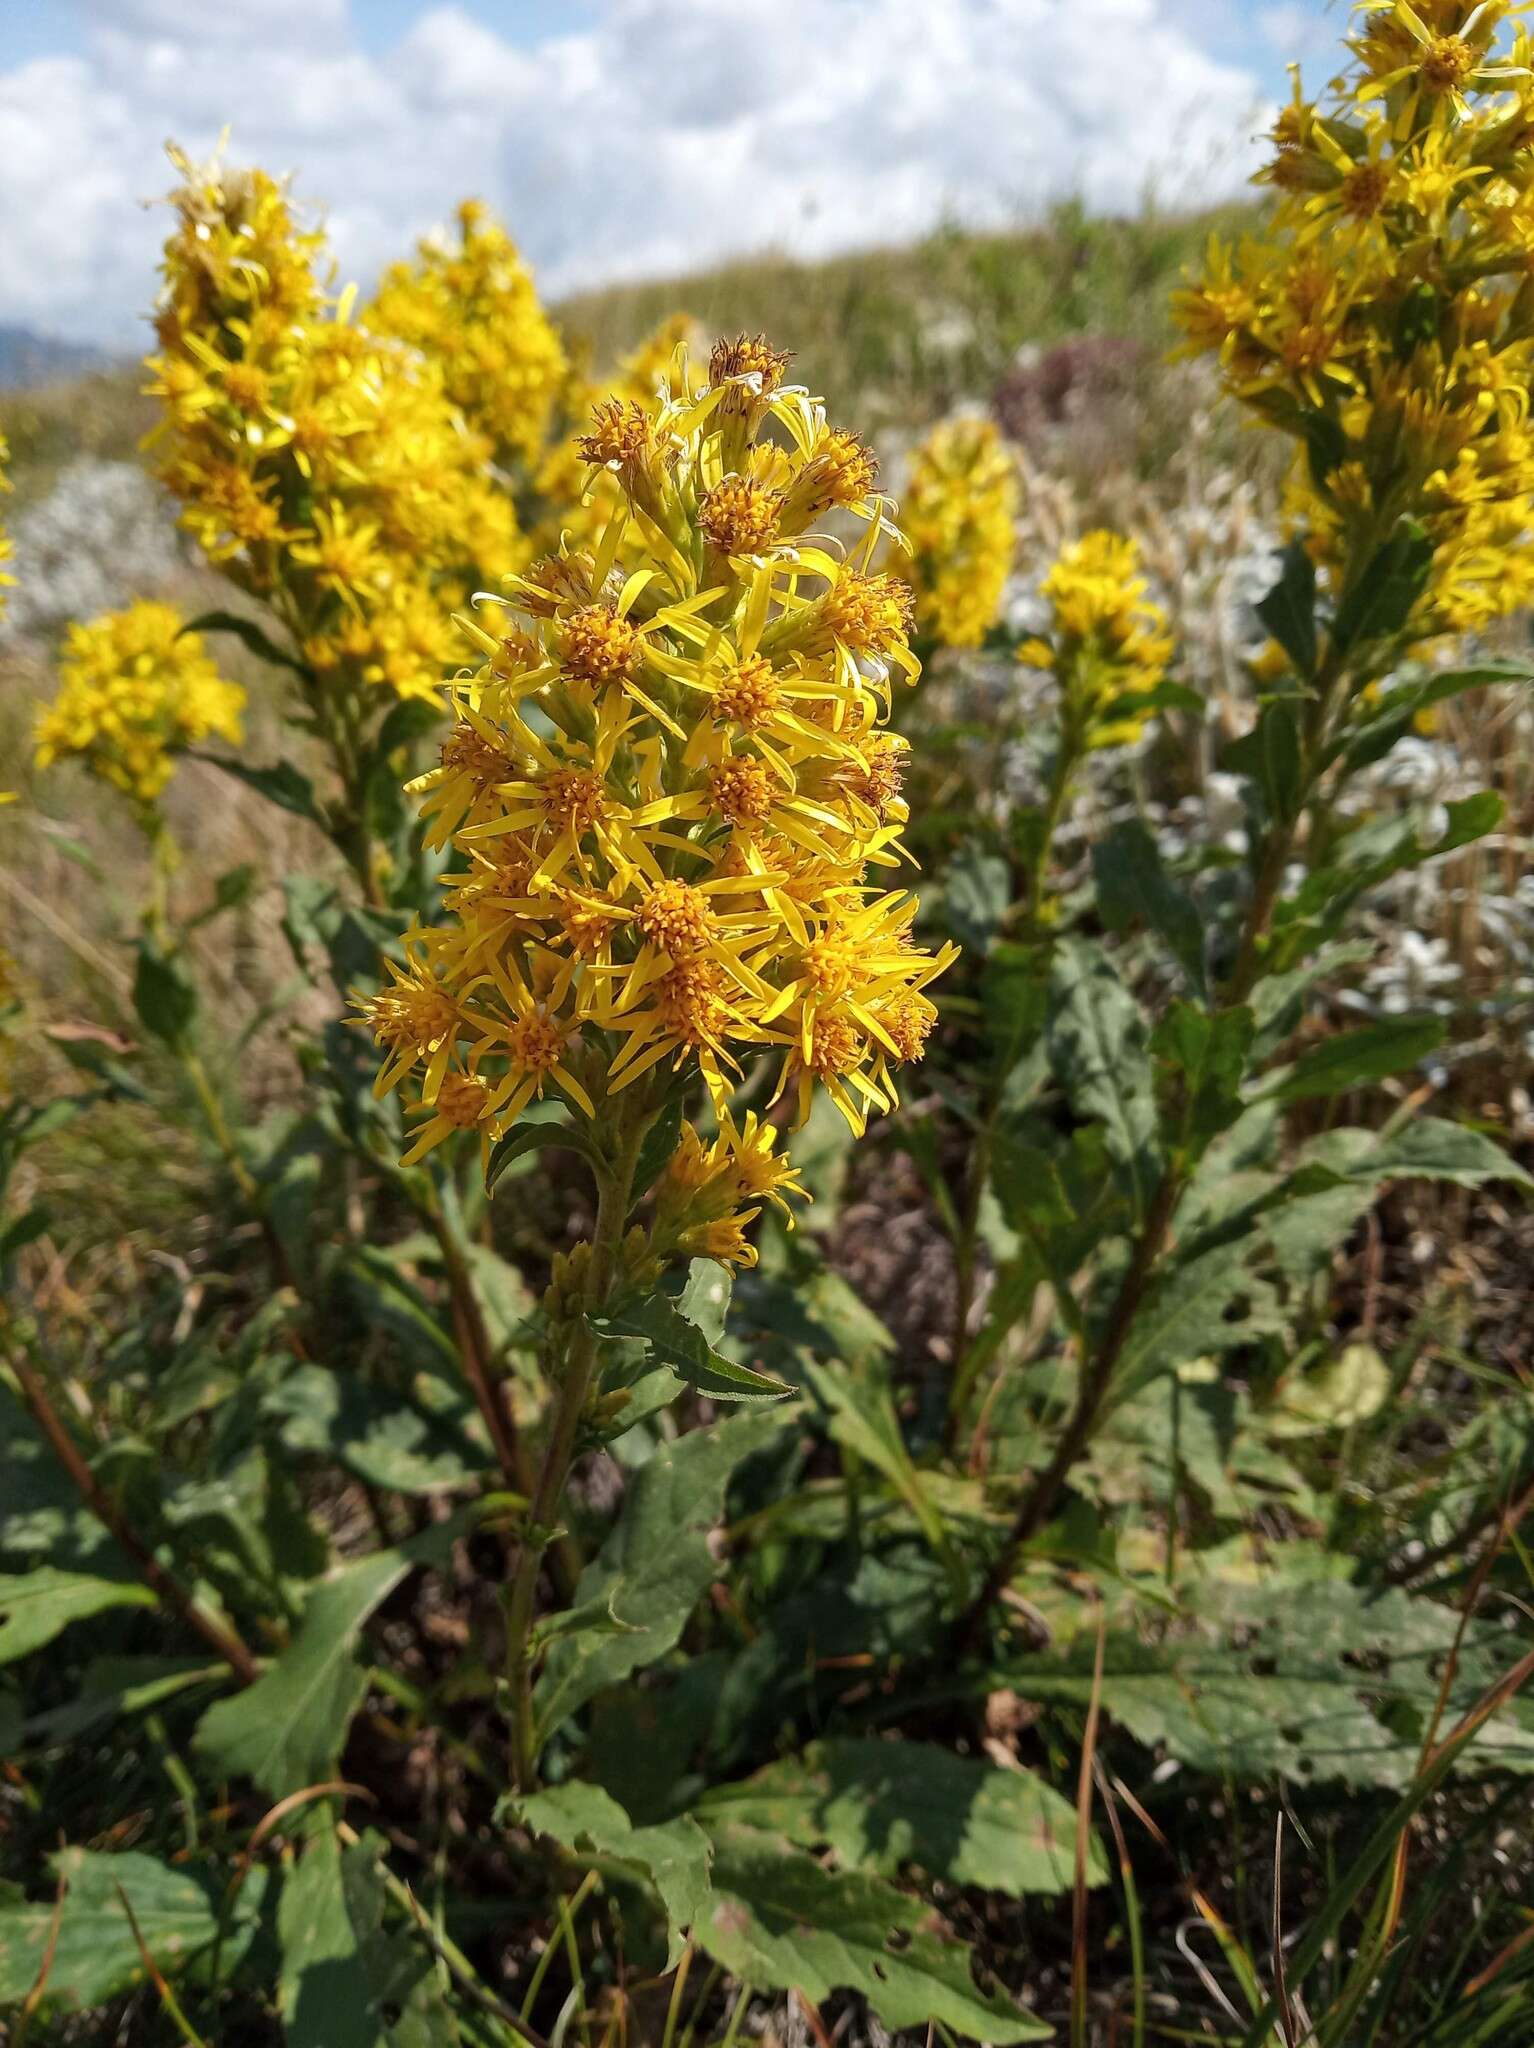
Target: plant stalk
x: 613, y: 1196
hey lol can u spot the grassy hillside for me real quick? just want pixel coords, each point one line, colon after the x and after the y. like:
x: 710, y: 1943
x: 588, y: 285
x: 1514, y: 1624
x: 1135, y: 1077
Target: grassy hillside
x: 891, y: 337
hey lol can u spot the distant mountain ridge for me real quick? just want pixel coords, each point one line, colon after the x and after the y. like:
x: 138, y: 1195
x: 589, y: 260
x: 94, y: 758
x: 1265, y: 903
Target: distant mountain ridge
x: 28, y: 358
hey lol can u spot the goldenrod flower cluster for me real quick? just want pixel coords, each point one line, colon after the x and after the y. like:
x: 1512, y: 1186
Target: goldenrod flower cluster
x: 472, y: 308
x: 959, y: 514
x: 322, y: 465
x: 1386, y: 319
x: 580, y: 505
x: 1107, y: 645
x: 670, y: 791
x: 135, y: 688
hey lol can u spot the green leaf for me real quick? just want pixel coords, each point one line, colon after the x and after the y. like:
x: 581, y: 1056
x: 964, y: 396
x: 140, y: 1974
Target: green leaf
x: 1289, y: 609
x: 551, y: 1133
x: 250, y: 635
x: 288, y: 1729
x: 344, y: 1981
x: 41, y: 1605
x: 882, y: 1805
x: 658, y: 1147
x: 1134, y: 887
x: 281, y: 784
x: 381, y: 1436
x: 1384, y: 596
x: 115, y: 1686
x: 672, y: 1857
x: 681, y: 1346
x: 655, y: 1565
x: 1427, y: 1148
x: 164, y: 998
x: 863, y: 1420
x: 1206, y: 1305
x: 976, y: 895
x: 1352, y: 1059
x: 1097, y: 1048
x: 782, y: 1922
x: 1301, y: 1676
x: 1280, y: 769
x: 96, y: 1956
x: 1209, y: 1056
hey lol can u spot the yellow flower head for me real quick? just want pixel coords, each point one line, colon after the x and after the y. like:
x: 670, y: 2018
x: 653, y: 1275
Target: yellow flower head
x: 1382, y: 317
x: 669, y: 791
x: 959, y: 516
x: 326, y: 466
x: 471, y: 306
x: 1108, y: 644
x: 135, y: 689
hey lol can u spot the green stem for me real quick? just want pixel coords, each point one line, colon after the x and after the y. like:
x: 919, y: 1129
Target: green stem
x: 614, y: 1189
x: 218, y: 1128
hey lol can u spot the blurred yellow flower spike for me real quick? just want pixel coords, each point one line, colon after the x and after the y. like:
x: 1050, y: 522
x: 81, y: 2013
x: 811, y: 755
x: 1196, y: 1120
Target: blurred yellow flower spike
x: 1385, y: 317
x: 325, y: 465
x: 135, y: 690
x: 1107, y: 643
x: 959, y: 515
x: 668, y: 786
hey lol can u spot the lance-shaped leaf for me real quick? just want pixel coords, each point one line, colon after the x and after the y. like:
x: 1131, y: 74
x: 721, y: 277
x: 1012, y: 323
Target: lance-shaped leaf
x: 781, y: 1921
x: 1133, y: 887
x: 678, y: 1345
x: 1353, y: 1059
x: 288, y: 1729
x: 1096, y: 1039
x: 39, y: 1605
x: 96, y: 1954
x: 1208, y: 1304
x: 655, y: 1565
x: 882, y: 1805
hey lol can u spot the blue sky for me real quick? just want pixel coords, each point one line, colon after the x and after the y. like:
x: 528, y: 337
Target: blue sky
x: 620, y: 138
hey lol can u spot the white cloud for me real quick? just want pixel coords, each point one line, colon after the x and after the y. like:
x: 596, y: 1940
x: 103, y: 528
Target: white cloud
x: 669, y: 133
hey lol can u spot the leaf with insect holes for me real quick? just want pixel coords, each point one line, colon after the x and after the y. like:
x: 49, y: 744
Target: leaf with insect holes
x: 781, y: 1921
x: 882, y: 1805
x: 673, y: 1857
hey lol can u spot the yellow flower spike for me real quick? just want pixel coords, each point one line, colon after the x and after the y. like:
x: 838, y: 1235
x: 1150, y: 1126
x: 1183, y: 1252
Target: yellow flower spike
x: 135, y: 690
x: 960, y: 512
x: 1382, y: 318
x: 321, y: 461
x: 668, y: 787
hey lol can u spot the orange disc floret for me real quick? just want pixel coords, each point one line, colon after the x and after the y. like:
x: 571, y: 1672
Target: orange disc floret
x: 462, y: 1101
x: 676, y: 917
x: 466, y: 751
x: 620, y: 438
x: 740, y: 789
x: 909, y: 1021
x: 748, y: 356
x: 246, y: 386
x: 536, y: 1042
x: 842, y: 471
x: 573, y: 797
x: 871, y: 614
x: 836, y: 1046
x: 410, y: 1015
x: 749, y: 693
x: 599, y: 647
x: 739, y: 517
x: 689, y: 1000
x: 1447, y: 63
x: 876, y: 776
x: 588, y: 926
